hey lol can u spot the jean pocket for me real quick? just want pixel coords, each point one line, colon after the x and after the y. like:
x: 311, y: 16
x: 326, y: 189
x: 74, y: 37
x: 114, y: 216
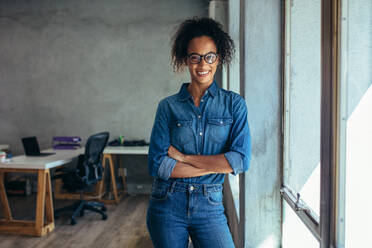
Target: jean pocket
x: 181, y: 132
x: 215, y: 198
x: 219, y: 129
x: 159, y: 193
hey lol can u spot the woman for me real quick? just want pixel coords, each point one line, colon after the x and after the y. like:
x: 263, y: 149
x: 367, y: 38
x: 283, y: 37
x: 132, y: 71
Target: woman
x: 199, y: 134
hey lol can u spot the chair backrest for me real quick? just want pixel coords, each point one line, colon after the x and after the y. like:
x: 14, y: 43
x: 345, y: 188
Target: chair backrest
x: 90, y: 168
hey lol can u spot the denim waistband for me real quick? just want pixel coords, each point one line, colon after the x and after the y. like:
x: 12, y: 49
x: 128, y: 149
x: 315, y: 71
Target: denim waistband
x: 189, y: 187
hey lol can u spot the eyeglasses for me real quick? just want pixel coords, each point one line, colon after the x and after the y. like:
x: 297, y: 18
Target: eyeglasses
x: 209, y: 58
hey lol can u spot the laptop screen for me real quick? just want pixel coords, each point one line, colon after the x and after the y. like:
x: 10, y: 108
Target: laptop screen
x: 31, y: 146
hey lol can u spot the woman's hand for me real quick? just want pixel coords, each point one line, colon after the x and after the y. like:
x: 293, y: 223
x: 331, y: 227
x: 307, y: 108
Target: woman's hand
x: 175, y: 154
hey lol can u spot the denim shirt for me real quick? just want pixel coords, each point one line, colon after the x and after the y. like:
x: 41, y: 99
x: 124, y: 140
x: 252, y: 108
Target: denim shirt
x: 218, y: 126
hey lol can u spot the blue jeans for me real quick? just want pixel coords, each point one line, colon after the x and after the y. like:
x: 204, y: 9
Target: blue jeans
x: 179, y: 210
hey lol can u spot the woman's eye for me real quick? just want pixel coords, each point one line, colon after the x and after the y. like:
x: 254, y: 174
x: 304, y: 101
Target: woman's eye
x: 195, y: 58
x: 210, y: 57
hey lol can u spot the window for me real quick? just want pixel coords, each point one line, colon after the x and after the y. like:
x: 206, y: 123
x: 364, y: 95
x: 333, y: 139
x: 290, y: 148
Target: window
x: 302, y: 113
x: 341, y: 217
x: 356, y: 122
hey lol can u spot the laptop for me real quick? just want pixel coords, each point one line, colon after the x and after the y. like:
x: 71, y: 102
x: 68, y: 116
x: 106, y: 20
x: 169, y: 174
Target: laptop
x: 32, y: 148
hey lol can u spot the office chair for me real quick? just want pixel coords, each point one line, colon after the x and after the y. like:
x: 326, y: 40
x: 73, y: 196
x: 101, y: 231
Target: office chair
x: 88, y: 172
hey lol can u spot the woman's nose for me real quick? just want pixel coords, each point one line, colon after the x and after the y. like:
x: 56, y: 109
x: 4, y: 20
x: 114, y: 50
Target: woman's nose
x: 202, y: 62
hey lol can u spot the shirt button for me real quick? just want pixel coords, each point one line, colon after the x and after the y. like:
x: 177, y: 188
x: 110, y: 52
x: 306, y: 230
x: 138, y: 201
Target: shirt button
x: 191, y: 188
x: 198, y: 153
x: 221, y: 122
x: 202, y: 100
x: 199, y: 116
x: 201, y: 134
x: 178, y: 124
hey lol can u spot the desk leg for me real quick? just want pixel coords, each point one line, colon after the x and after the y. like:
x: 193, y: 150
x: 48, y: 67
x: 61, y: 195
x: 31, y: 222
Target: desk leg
x: 49, y: 199
x: 113, y: 179
x: 114, y: 190
x: 37, y: 227
x: 123, y: 175
x: 4, y: 199
x: 40, y: 201
x: 100, y: 184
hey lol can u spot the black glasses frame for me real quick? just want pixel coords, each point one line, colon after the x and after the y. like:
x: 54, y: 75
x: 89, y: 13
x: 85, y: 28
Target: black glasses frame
x: 202, y: 56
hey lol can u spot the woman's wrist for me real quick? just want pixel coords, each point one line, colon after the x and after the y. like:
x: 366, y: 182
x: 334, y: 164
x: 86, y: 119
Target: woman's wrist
x: 185, y: 158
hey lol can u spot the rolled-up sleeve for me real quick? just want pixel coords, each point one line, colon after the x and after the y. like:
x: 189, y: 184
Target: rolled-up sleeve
x: 239, y: 154
x: 159, y: 163
x: 166, y: 167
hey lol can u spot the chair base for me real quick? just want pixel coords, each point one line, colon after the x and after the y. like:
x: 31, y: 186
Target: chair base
x: 79, y: 207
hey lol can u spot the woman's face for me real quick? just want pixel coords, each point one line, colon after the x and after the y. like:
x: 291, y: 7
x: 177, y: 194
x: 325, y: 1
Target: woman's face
x: 202, y: 72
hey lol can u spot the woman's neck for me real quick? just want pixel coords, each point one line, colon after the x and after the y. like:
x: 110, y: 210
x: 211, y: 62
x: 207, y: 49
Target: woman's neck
x: 197, y: 90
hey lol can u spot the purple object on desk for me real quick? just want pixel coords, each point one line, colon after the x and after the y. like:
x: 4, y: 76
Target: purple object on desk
x: 66, y: 142
x: 66, y: 146
x: 67, y: 138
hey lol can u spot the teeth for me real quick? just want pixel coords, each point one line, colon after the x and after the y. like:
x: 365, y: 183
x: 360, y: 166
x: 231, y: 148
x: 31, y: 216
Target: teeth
x: 202, y: 72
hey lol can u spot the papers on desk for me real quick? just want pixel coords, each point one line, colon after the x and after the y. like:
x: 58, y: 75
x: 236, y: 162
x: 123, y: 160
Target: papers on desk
x: 66, y: 142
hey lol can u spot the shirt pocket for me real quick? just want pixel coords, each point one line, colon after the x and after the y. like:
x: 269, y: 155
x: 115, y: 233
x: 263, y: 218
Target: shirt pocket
x: 219, y: 129
x: 181, y: 132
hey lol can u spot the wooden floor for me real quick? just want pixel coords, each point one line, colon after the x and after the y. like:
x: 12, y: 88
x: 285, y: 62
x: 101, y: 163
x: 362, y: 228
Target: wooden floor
x: 125, y: 226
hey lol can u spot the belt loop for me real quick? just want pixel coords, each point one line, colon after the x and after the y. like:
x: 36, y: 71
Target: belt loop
x: 172, y: 187
x: 205, y: 190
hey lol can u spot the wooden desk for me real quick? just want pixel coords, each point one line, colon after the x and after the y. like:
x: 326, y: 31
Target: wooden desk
x: 108, y: 154
x: 44, y: 201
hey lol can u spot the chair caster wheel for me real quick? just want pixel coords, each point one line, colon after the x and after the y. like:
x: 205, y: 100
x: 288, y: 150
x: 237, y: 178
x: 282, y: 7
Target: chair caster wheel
x: 104, y: 217
x: 73, y: 222
x: 103, y: 208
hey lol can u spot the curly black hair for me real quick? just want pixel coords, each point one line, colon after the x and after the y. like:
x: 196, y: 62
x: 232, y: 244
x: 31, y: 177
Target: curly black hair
x: 196, y: 27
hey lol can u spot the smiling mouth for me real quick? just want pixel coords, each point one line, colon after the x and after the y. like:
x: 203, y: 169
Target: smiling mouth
x: 202, y: 73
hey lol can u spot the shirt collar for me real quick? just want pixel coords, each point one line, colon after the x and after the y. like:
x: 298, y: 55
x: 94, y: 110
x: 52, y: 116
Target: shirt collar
x: 213, y: 88
x: 184, y: 94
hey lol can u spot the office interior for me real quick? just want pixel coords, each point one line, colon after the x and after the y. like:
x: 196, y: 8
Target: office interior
x: 304, y: 68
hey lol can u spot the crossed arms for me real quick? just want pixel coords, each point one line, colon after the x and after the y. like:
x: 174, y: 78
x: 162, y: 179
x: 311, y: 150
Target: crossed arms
x: 197, y: 165
x: 166, y: 161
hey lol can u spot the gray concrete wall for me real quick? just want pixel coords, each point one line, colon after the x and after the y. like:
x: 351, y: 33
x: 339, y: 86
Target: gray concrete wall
x: 262, y: 93
x: 80, y: 67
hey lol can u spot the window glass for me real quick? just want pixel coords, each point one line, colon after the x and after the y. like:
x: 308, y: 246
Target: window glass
x: 358, y: 71
x: 296, y: 234
x: 302, y: 116
x: 303, y: 93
